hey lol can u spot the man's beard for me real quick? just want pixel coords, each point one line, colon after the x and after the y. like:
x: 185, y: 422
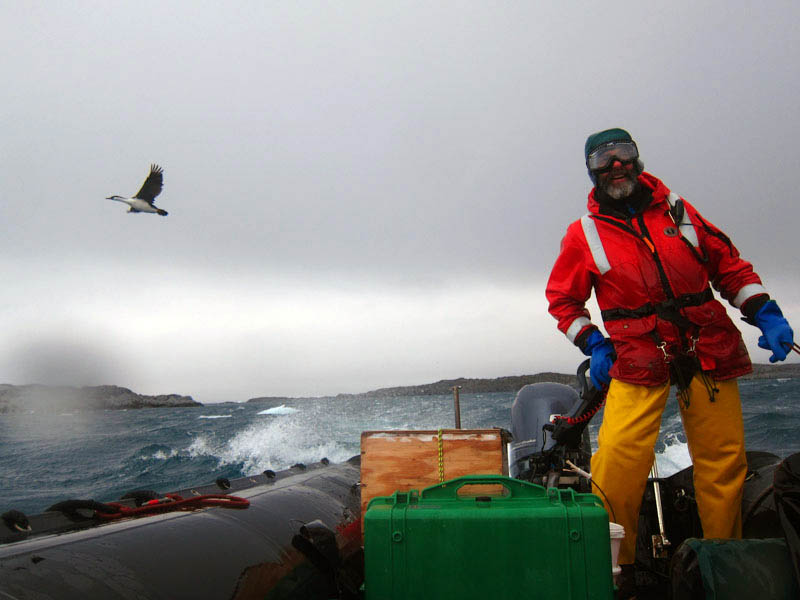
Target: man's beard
x: 620, y: 190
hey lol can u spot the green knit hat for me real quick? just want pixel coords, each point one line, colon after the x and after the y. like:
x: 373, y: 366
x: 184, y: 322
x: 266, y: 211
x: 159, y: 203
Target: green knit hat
x: 596, y: 140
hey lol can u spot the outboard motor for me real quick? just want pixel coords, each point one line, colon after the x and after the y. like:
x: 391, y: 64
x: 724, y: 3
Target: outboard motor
x: 548, y: 425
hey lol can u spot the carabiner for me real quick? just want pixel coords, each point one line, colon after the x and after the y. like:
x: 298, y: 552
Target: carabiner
x: 663, y: 347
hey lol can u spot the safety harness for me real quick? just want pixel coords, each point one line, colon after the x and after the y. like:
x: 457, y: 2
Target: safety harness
x: 685, y: 364
x: 667, y: 310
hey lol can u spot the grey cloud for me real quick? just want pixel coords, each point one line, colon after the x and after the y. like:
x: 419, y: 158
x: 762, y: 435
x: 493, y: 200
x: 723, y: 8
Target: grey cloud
x: 365, y: 146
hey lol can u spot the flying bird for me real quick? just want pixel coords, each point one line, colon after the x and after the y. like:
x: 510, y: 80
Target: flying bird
x: 143, y: 200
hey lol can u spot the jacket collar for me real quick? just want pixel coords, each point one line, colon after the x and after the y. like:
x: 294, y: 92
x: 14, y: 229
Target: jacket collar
x: 654, y: 184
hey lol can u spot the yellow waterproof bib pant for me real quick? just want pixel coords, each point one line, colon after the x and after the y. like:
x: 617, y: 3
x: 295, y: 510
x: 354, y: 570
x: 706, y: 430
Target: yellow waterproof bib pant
x: 626, y: 441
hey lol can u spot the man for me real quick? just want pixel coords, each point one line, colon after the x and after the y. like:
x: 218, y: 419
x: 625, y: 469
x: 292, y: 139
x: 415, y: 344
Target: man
x: 650, y: 257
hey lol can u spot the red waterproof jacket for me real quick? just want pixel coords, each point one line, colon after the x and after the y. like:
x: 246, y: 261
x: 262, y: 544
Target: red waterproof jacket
x: 651, y: 277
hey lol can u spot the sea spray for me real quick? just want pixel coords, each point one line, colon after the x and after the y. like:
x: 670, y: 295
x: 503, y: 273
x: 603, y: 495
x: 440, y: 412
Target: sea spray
x: 103, y: 454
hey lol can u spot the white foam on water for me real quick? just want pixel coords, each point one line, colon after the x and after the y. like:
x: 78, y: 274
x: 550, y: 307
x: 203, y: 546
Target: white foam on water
x: 674, y: 458
x: 201, y: 446
x: 214, y: 417
x: 160, y: 455
x: 279, y: 410
x: 273, y: 444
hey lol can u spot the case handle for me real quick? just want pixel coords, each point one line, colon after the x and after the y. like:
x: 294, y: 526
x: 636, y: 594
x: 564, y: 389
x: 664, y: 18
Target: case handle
x: 516, y: 488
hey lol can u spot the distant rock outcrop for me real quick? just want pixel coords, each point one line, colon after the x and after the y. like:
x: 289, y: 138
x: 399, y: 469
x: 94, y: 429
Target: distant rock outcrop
x: 513, y: 383
x: 44, y: 398
x: 770, y: 371
x: 510, y: 383
x: 274, y: 399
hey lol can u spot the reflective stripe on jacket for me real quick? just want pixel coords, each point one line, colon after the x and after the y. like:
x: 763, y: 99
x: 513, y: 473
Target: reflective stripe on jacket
x: 651, y: 278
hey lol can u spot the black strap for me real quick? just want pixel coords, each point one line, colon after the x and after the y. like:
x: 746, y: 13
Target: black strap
x: 616, y: 223
x: 677, y: 211
x: 665, y: 310
x: 717, y: 234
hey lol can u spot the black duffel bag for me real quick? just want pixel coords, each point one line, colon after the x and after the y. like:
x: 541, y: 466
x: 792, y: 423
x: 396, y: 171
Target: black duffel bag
x: 760, y: 568
x: 786, y: 487
x: 725, y: 569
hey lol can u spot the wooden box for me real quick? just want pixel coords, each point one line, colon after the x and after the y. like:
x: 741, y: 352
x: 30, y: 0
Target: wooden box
x: 403, y: 460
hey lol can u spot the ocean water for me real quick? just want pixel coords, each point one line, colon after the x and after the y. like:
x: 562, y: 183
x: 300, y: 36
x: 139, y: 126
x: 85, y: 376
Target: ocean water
x: 101, y: 455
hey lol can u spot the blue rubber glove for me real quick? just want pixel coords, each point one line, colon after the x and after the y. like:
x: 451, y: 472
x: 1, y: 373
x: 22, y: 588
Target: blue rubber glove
x: 602, y: 356
x: 778, y: 336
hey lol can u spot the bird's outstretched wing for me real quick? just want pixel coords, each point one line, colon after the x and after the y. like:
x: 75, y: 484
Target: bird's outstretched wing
x: 152, y: 185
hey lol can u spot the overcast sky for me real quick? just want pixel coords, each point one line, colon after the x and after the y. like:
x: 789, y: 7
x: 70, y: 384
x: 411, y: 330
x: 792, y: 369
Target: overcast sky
x: 361, y: 193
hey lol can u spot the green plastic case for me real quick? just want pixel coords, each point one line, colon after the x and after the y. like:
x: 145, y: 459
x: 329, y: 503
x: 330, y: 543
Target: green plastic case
x: 530, y: 542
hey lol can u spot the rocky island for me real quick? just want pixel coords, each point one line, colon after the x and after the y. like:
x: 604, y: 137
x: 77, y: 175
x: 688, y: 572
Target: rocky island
x: 513, y: 383
x: 43, y: 398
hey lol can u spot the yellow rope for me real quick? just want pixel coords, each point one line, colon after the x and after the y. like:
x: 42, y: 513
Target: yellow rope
x: 441, y: 457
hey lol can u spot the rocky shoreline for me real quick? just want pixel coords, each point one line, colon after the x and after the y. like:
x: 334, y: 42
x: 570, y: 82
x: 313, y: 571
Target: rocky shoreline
x: 511, y: 384
x: 445, y: 386
x: 43, y: 398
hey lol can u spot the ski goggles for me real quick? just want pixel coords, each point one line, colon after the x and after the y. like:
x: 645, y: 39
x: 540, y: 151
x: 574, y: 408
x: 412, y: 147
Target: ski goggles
x: 604, y: 156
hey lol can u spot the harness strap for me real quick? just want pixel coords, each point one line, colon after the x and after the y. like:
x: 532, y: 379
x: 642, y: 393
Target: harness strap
x: 682, y: 220
x: 677, y: 211
x: 666, y: 310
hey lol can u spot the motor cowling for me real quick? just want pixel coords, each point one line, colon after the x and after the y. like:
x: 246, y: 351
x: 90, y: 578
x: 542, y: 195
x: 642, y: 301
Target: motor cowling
x: 534, y: 455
